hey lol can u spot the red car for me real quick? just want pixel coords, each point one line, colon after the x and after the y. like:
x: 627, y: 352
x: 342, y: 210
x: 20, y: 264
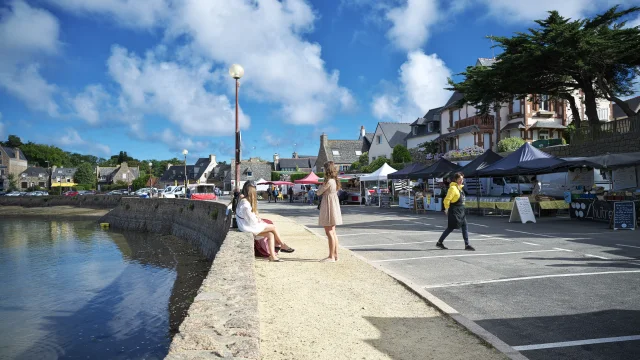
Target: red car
x: 71, y: 193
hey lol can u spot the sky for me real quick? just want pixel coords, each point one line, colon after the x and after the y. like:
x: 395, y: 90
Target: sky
x: 151, y: 77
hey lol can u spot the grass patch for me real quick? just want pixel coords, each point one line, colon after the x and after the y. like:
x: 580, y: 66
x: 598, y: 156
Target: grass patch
x: 214, y: 214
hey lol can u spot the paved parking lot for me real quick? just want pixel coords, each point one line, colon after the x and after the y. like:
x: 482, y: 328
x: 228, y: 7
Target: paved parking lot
x: 555, y: 289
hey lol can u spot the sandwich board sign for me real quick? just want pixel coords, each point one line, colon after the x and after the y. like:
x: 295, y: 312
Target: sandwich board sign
x: 624, y: 215
x: 522, y: 211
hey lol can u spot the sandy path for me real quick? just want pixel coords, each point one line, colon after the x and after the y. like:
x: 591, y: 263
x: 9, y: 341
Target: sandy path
x: 348, y: 310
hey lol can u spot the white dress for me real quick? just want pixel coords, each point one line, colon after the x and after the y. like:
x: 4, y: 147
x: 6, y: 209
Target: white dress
x: 247, y: 220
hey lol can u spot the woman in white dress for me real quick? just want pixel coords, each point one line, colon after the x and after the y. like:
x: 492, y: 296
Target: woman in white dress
x: 248, y: 221
x: 330, y: 214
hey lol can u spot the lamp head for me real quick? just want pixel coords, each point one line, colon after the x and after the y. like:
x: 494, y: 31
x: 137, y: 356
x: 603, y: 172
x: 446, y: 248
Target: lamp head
x: 236, y: 71
x: 185, y: 152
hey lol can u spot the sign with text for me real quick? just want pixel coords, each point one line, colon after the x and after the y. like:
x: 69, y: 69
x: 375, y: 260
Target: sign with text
x: 581, y: 177
x: 624, y: 178
x: 385, y: 201
x: 624, y: 215
x: 522, y: 211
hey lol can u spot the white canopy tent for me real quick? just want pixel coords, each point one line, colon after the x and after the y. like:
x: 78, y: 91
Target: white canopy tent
x: 261, y: 187
x: 378, y: 175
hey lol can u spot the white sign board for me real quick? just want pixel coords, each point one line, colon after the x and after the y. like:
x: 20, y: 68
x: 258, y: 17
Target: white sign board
x: 581, y: 177
x: 522, y: 211
x: 624, y: 178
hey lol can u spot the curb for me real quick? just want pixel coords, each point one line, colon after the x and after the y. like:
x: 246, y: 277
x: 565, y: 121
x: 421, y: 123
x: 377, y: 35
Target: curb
x: 444, y: 308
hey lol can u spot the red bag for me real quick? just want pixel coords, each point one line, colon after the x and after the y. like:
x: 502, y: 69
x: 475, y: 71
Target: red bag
x: 261, y: 245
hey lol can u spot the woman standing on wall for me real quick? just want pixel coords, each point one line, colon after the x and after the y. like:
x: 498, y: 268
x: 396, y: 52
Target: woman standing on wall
x: 330, y: 214
x: 454, y: 208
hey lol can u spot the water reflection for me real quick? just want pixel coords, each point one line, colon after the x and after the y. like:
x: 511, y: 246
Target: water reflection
x: 73, y: 290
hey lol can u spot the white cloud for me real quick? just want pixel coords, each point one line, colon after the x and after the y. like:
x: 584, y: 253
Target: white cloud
x: 128, y: 13
x: 25, y: 34
x: 422, y: 79
x: 72, y: 140
x: 2, y: 131
x: 88, y: 104
x: 411, y: 23
x: 265, y: 37
x: 176, y: 91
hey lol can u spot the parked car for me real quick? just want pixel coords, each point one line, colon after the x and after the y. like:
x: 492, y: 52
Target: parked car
x: 175, y: 192
x: 71, y: 193
x: 13, y: 193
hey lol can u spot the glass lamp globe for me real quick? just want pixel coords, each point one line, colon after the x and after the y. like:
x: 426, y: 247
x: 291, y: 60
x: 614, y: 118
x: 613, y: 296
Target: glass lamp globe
x: 185, y: 152
x: 236, y: 71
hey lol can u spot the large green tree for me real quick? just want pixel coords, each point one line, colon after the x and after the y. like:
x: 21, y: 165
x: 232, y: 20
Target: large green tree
x: 85, y: 174
x: 400, y: 154
x: 598, y: 56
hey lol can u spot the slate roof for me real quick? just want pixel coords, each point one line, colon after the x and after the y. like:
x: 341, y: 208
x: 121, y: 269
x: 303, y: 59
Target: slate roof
x: 219, y: 172
x: 547, y: 125
x: 11, y: 153
x: 35, y: 171
x: 346, y: 149
x: 300, y: 162
x: 464, y: 130
x: 109, y: 170
x: 259, y: 170
x: 453, y: 100
x: 395, y: 132
x: 633, y: 103
x: 64, y: 172
x: 176, y: 173
x: 516, y: 125
x: 485, y: 61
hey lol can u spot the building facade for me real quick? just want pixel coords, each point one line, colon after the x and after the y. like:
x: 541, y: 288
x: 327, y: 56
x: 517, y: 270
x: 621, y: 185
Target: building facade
x: 386, y: 137
x: 12, y: 161
x: 113, y: 174
x: 63, y: 179
x: 424, y: 129
x: 33, y: 177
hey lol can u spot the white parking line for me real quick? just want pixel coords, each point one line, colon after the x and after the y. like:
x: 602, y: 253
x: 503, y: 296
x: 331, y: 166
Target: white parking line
x: 403, y: 232
x: 528, y: 243
x: 478, y: 224
x: 528, y: 233
x: 631, y: 246
x: 467, y: 255
x: 408, y: 243
x: 576, y: 343
x: 478, y: 282
x: 596, y: 256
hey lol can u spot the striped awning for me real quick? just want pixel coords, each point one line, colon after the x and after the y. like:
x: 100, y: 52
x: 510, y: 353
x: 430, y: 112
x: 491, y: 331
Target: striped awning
x: 64, y: 184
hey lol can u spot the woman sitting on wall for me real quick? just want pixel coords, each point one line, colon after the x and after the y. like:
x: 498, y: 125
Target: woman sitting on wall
x: 248, y: 221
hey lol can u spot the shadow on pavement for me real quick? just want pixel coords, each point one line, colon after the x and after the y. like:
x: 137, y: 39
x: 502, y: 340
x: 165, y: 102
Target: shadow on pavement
x: 588, y: 262
x: 583, y: 326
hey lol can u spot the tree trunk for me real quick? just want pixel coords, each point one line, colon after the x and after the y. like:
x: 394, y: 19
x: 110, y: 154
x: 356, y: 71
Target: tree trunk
x: 623, y: 106
x: 497, y: 124
x: 574, y: 108
x: 591, y: 106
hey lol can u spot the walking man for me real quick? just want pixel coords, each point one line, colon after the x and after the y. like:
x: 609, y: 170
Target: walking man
x: 454, y: 208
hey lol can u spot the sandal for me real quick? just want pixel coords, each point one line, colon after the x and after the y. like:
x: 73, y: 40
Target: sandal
x: 328, y: 260
x: 275, y: 260
x: 289, y: 249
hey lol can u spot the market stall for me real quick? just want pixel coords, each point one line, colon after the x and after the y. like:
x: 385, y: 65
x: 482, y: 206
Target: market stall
x: 405, y: 193
x: 431, y: 197
x: 375, y: 196
x: 472, y: 170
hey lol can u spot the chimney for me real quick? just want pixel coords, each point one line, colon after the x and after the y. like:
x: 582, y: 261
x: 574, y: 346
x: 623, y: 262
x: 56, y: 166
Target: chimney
x: 295, y: 155
x: 16, y: 152
x: 212, y: 158
x: 169, y: 165
x: 323, y: 139
x: 362, y: 132
x: 276, y: 159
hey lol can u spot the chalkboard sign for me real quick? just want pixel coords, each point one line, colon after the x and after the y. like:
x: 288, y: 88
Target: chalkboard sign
x: 385, y: 201
x: 418, y: 204
x: 624, y: 215
x: 522, y: 211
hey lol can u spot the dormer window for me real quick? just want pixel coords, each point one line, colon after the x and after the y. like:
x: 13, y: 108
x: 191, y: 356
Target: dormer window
x: 249, y: 173
x: 430, y: 127
x: 516, y: 105
x: 414, y: 130
x: 358, y: 152
x: 335, y: 152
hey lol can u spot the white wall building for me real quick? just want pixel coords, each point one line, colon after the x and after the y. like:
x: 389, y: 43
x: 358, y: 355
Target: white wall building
x: 387, y: 136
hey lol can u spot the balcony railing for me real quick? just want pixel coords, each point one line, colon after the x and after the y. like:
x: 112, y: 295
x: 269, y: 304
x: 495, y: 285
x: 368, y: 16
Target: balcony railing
x: 609, y: 129
x: 482, y: 121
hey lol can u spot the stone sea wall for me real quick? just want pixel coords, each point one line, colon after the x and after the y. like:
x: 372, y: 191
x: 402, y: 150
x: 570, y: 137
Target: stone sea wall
x: 222, y: 321
x: 622, y: 143
x: 85, y: 201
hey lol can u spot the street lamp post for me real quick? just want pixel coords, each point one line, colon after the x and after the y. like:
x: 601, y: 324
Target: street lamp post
x: 236, y: 71
x: 150, y: 180
x: 48, y: 173
x: 185, y: 152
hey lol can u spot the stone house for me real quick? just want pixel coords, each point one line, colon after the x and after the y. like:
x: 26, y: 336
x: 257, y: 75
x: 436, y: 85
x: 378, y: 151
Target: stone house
x: 303, y: 163
x: 342, y: 152
x: 12, y: 161
x: 63, y: 178
x: 196, y: 174
x: 252, y: 169
x: 112, y: 174
x: 386, y: 137
x: 34, y: 176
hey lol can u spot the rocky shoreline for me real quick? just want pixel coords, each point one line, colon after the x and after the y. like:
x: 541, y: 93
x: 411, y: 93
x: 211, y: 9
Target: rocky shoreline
x: 68, y: 212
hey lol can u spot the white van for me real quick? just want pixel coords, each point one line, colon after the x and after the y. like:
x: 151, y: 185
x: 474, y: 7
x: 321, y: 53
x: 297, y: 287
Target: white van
x: 556, y: 184
x: 498, y: 186
x: 174, y: 192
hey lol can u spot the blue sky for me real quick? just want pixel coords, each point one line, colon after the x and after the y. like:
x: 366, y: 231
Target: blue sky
x: 150, y: 77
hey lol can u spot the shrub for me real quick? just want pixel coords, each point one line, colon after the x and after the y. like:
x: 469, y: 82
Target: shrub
x: 510, y: 144
x: 468, y: 151
x: 400, y: 154
x: 214, y: 214
x: 297, y: 176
